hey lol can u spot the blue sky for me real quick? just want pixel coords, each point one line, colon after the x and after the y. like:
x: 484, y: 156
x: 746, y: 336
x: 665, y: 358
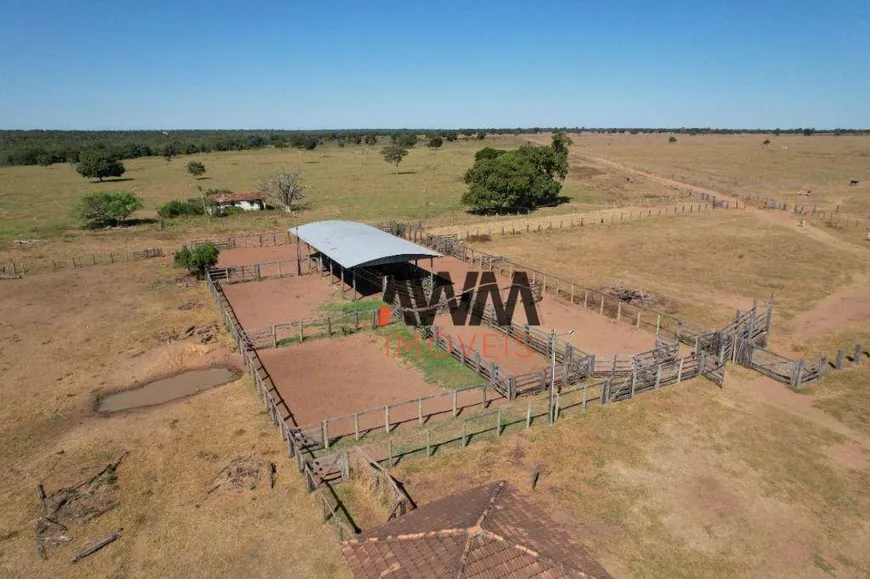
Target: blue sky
x: 94, y: 64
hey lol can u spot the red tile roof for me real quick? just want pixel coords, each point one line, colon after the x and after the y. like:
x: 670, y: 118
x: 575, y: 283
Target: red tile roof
x: 486, y: 532
x: 236, y: 197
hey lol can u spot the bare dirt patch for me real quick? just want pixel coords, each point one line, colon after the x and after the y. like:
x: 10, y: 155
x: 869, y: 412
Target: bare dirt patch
x: 258, y: 304
x: 329, y: 377
x: 254, y: 255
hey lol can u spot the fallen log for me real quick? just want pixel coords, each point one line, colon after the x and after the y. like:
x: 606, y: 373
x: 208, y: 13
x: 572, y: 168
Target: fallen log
x: 116, y: 534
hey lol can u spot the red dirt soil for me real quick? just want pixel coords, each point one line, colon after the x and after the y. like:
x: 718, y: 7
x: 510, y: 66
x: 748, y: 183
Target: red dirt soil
x: 594, y: 334
x: 254, y: 255
x: 258, y: 304
x: 329, y: 377
x: 492, y: 345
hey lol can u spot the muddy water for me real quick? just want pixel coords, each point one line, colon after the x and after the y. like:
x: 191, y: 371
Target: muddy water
x: 167, y: 389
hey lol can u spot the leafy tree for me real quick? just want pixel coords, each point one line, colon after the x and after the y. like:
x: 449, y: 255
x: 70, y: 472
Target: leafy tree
x: 197, y: 260
x: 405, y: 140
x: 449, y: 136
x: 436, y: 142
x: 528, y: 177
x: 196, y: 169
x: 808, y: 132
x: 481, y: 135
x: 99, y: 164
x: 371, y: 139
x: 672, y: 139
x: 285, y: 188
x: 176, y: 208
x: 105, y: 209
x: 777, y: 132
x: 488, y: 153
x: 766, y: 142
x: 394, y: 154
x: 561, y: 142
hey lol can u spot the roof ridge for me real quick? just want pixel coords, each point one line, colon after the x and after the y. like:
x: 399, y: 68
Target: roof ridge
x: 407, y: 536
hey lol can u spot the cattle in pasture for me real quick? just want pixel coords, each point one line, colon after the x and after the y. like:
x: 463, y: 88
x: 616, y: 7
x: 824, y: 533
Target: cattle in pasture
x: 853, y: 182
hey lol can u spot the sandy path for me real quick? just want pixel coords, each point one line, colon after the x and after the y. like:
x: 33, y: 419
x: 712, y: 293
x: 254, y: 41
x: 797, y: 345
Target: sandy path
x: 834, y: 311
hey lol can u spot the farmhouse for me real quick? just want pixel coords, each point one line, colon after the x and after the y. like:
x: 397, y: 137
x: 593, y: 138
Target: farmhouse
x: 488, y: 531
x: 251, y: 201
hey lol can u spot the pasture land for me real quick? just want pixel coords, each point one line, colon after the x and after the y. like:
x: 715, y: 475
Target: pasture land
x: 742, y: 164
x: 751, y: 480
x: 705, y: 267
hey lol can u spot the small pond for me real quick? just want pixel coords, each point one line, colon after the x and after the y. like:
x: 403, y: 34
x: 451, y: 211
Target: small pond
x: 168, y: 389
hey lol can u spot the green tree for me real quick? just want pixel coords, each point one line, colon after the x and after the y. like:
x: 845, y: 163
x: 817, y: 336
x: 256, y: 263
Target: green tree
x: 196, y: 169
x: 394, y: 154
x: 99, y: 164
x: 105, y: 209
x: 672, y: 139
x: 503, y: 181
x: 561, y: 142
x: 197, y: 260
x: 371, y: 139
x: 435, y: 142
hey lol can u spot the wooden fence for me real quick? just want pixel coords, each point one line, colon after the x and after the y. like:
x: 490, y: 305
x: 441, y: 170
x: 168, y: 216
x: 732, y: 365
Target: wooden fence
x: 261, y: 271
x: 832, y: 217
x: 511, y: 229
x: 13, y: 270
x: 270, y: 239
x: 341, y: 324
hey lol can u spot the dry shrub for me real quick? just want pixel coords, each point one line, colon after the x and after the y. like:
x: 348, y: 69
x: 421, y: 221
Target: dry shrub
x: 478, y: 237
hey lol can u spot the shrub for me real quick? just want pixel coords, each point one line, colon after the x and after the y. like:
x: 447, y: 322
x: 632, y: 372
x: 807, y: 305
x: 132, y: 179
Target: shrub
x: 176, y: 208
x: 435, y: 142
x: 197, y: 260
x: 105, y: 209
x: 196, y: 169
x: 672, y: 140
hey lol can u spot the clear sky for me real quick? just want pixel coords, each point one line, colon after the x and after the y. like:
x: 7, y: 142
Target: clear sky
x: 155, y: 64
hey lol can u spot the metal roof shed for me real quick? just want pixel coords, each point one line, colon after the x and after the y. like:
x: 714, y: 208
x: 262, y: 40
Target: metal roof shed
x: 352, y: 244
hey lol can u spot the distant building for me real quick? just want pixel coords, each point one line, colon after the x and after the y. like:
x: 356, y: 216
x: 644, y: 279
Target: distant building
x: 248, y: 201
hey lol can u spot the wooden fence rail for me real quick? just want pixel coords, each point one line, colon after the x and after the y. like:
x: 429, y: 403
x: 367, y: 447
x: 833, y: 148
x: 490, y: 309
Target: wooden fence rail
x: 13, y: 270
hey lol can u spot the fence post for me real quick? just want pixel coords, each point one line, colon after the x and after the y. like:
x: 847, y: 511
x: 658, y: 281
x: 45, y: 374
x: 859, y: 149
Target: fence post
x: 420, y: 409
x: 585, y: 297
x: 637, y: 324
x: 428, y: 443
x: 658, y: 377
x: 274, y: 338
x: 464, y: 443
x: 356, y: 426
x: 601, y: 308
x: 633, y: 376
x: 389, y: 454
x: 387, y: 418
x: 328, y: 325
x: 618, y: 309
x: 324, y: 433
x: 498, y: 423
x: 483, y: 402
x: 859, y: 349
x: 529, y: 415
x: 680, y: 371
x: 841, y: 356
x: 301, y: 332
x: 454, y: 403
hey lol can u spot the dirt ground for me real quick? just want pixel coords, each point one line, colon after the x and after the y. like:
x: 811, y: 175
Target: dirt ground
x: 255, y: 255
x: 67, y: 337
x: 272, y: 301
x: 329, y: 377
x: 594, y: 334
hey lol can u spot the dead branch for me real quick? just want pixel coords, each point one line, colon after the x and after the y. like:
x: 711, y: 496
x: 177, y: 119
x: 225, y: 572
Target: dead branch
x: 116, y: 534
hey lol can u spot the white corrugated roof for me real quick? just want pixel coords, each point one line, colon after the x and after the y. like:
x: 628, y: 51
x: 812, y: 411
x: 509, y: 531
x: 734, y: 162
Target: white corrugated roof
x: 352, y: 244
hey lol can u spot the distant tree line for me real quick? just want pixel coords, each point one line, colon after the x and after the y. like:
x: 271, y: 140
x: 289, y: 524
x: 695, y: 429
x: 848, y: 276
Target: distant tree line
x: 49, y: 147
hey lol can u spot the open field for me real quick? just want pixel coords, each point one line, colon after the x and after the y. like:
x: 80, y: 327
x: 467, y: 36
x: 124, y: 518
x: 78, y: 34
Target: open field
x: 724, y: 259
x: 741, y: 164
x: 750, y: 480
x: 68, y: 336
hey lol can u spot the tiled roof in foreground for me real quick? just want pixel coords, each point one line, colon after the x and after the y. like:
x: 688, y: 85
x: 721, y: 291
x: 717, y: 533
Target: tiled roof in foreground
x: 488, y: 532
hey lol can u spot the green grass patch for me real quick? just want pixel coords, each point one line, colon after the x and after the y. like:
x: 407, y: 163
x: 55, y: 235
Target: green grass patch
x: 436, y: 366
x: 346, y: 307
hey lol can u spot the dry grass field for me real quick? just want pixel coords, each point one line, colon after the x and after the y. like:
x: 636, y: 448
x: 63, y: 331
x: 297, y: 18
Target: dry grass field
x: 742, y: 164
x: 690, y: 481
